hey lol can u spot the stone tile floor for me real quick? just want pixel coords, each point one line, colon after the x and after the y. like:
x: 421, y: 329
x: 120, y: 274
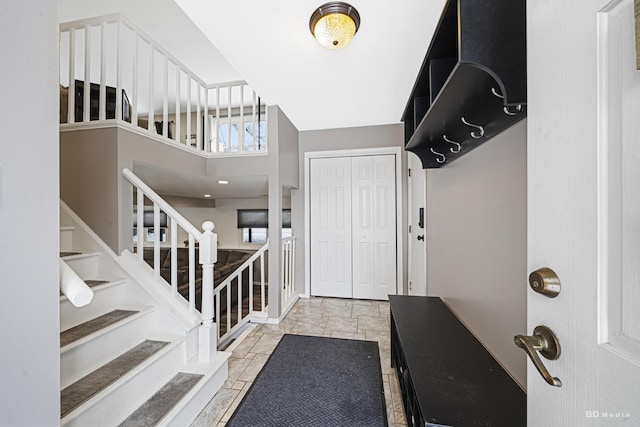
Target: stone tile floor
x: 329, y: 317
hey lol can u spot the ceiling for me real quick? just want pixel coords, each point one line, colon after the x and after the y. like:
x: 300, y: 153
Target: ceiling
x: 170, y: 182
x: 366, y: 83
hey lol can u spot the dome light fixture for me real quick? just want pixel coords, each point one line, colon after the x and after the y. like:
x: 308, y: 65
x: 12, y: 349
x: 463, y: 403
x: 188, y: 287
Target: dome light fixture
x: 334, y: 24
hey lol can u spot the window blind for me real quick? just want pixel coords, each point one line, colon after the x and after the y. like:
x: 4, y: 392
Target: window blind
x: 259, y: 218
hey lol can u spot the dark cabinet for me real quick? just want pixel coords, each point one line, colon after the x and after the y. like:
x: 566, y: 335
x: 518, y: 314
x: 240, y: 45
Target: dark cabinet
x: 472, y: 83
x: 446, y: 376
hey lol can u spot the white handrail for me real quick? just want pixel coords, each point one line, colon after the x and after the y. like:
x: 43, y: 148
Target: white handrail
x: 73, y: 287
x: 166, y: 207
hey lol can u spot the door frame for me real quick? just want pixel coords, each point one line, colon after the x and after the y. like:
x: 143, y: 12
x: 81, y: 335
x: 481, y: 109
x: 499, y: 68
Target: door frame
x: 397, y: 151
x: 411, y: 205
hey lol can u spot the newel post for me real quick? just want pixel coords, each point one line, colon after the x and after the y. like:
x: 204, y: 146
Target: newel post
x: 208, y: 257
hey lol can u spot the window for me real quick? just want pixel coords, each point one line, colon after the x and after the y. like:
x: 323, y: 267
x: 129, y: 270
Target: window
x: 255, y: 223
x: 254, y: 235
x: 254, y: 140
x: 148, y: 225
x: 259, y: 235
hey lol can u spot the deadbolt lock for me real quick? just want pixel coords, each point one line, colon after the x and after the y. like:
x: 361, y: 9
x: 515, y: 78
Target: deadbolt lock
x: 545, y: 281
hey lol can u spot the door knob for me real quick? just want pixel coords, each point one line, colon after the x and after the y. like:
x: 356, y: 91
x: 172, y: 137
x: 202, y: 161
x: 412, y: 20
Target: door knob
x: 544, y: 341
x: 421, y: 237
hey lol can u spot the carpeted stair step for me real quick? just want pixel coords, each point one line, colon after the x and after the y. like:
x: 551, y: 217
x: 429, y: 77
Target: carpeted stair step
x: 92, y: 283
x: 93, y: 325
x: 84, y: 389
x: 161, y: 403
x: 65, y: 254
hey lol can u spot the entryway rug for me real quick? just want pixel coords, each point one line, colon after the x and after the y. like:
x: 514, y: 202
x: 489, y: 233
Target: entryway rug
x: 316, y: 381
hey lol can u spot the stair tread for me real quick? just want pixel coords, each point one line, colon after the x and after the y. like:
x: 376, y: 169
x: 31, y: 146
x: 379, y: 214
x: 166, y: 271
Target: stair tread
x: 93, y: 282
x: 85, y: 388
x: 93, y: 325
x: 75, y: 255
x: 68, y: 253
x: 161, y: 403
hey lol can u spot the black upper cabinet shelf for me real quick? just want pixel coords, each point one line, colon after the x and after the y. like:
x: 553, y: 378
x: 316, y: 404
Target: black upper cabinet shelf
x: 474, y: 71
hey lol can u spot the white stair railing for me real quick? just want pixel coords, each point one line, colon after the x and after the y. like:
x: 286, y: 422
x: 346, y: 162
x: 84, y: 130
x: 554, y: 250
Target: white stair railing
x: 135, y: 82
x: 239, y: 285
x: 207, y: 241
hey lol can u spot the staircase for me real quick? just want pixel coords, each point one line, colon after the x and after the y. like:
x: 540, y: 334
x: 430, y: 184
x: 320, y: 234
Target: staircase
x: 127, y: 358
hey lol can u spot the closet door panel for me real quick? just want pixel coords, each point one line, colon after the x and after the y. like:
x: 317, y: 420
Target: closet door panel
x: 374, y: 226
x: 330, y: 223
x: 384, y: 231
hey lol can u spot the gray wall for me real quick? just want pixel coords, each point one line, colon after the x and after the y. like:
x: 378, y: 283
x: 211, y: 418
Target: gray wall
x: 477, y: 242
x: 288, y: 148
x: 29, y: 214
x: 283, y: 152
x: 89, y: 179
x: 344, y: 139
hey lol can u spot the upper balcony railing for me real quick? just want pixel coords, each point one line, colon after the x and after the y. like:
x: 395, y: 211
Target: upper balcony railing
x: 138, y: 84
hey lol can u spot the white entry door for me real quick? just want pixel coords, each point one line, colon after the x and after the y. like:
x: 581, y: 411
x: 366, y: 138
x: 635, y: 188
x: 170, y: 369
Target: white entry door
x: 417, y: 232
x: 584, y: 209
x: 331, y: 227
x: 353, y: 226
x: 374, y: 226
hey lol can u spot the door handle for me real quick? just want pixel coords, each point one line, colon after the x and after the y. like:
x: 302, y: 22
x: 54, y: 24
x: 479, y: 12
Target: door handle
x: 544, y: 341
x: 421, y: 237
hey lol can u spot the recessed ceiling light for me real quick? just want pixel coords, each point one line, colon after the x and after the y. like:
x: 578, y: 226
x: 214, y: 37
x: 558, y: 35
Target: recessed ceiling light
x: 207, y: 195
x: 222, y: 181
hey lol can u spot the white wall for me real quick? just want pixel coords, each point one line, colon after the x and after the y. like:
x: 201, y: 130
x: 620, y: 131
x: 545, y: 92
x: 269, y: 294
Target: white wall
x: 29, y: 214
x: 477, y: 242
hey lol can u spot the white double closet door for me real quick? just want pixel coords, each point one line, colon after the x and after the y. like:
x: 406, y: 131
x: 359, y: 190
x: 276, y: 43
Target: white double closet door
x: 353, y: 226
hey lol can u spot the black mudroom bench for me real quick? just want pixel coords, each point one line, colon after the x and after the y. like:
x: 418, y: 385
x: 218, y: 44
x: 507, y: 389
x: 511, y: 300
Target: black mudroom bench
x: 446, y: 376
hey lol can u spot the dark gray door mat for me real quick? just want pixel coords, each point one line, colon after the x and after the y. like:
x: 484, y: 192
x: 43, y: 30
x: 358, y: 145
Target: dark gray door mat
x: 316, y: 381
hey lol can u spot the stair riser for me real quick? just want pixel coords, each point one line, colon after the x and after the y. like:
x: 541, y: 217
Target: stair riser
x: 87, y: 267
x: 66, y: 239
x: 132, y: 393
x: 77, y: 362
x: 103, y: 301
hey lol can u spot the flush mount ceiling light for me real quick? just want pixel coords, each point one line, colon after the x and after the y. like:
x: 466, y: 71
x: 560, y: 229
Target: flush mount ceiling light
x: 334, y: 24
x: 222, y: 181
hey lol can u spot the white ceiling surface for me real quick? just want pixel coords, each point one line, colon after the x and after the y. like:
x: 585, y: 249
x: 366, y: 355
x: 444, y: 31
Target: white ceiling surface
x: 366, y: 83
x: 170, y: 182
